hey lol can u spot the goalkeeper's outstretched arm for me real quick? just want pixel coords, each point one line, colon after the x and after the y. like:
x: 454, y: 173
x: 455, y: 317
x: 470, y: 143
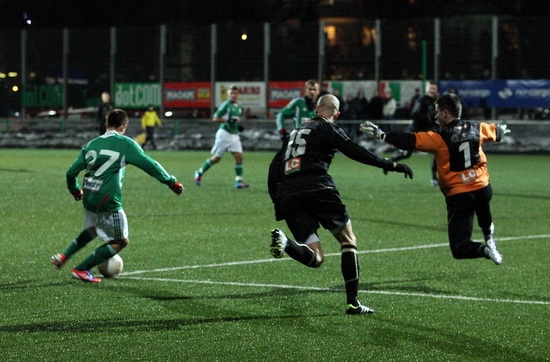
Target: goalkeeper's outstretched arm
x: 401, y: 140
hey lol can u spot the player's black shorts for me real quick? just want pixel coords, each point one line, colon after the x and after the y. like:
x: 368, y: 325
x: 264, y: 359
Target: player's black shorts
x: 305, y: 211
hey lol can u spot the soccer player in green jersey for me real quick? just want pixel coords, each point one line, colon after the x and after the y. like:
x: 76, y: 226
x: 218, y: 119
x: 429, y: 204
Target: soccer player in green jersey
x: 227, y: 138
x: 104, y: 160
x: 299, y: 109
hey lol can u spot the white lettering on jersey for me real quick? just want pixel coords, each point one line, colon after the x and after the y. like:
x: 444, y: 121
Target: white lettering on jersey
x: 113, y: 157
x: 297, y: 144
x: 293, y: 165
x: 92, y: 184
x: 468, y: 176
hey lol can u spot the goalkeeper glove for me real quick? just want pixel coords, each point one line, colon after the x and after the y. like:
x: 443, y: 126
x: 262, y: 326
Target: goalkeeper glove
x: 78, y: 194
x: 233, y: 120
x: 177, y: 188
x: 504, y: 129
x: 373, y: 130
x: 241, y: 128
x: 402, y: 168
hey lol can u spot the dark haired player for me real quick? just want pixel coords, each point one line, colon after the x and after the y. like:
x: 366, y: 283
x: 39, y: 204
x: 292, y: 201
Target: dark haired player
x: 104, y: 159
x: 462, y: 169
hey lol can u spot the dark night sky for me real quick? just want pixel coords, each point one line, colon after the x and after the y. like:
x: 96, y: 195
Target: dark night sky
x: 81, y: 13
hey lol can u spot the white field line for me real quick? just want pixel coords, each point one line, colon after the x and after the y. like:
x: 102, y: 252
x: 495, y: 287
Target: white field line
x: 128, y: 275
x: 285, y: 286
x: 271, y: 260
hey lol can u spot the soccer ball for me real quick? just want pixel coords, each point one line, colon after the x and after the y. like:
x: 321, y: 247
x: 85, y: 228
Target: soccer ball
x: 112, y: 267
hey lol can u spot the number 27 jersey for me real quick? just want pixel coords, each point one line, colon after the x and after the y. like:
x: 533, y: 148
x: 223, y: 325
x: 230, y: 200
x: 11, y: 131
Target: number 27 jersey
x: 104, y: 159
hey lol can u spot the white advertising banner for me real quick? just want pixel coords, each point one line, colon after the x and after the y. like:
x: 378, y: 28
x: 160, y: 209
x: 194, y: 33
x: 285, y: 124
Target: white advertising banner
x: 252, y: 95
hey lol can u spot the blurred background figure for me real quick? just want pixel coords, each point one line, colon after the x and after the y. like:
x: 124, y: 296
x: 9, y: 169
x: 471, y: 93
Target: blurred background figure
x: 390, y: 106
x: 149, y: 121
x: 103, y: 110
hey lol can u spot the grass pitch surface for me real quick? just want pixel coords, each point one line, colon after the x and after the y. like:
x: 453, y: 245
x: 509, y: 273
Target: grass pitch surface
x: 199, y: 283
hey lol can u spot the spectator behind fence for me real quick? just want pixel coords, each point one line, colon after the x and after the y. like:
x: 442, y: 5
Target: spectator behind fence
x: 390, y: 106
x: 103, y: 110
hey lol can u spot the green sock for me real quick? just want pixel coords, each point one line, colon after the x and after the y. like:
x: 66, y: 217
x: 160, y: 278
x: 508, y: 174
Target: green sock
x: 97, y: 257
x: 205, y: 166
x: 78, y: 243
x: 238, y: 172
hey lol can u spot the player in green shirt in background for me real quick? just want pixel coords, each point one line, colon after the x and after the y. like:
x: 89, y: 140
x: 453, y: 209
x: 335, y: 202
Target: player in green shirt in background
x: 299, y: 109
x: 104, y: 159
x: 228, y: 115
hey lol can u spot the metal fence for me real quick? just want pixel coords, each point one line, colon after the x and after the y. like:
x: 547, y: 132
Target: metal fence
x: 258, y: 135
x: 87, y: 61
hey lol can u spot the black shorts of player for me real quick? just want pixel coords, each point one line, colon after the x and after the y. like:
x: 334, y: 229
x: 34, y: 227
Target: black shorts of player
x: 305, y: 211
x: 461, y: 209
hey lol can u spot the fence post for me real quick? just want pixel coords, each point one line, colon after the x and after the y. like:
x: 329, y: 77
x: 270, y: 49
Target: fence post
x: 175, y: 127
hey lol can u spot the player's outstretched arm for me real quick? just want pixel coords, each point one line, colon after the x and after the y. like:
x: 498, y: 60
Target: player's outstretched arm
x: 373, y: 130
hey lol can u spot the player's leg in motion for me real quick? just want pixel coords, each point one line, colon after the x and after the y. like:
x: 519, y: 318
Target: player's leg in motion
x: 87, y: 235
x: 402, y: 155
x: 485, y: 221
x: 101, y: 254
x: 350, y: 270
x: 217, y: 151
x: 209, y: 162
x: 113, y: 226
x: 310, y: 254
x: 239, y: 184
x: 460, y: 217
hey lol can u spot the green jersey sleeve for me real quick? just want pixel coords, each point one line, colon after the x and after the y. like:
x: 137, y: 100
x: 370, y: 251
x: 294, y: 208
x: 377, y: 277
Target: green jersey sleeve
x: 143, y: 161
x: 297, y: 110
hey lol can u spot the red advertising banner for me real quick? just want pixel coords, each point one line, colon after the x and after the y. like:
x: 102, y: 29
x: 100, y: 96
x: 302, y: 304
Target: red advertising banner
x: 280, y: 93
x: 187, y: 95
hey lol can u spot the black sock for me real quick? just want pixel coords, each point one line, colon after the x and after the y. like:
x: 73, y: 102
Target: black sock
x: 300, y: 252
x: 350, y: 272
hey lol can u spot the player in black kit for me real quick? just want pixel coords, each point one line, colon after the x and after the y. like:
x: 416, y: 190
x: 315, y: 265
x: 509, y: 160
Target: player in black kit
x: 423, y: 120
x: 305, y: 195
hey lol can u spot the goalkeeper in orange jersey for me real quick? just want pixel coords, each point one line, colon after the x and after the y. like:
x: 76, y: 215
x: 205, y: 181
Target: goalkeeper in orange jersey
x: 462, y: 168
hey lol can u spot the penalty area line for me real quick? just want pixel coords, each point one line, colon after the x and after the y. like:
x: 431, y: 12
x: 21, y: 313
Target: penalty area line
x: 310, y: 288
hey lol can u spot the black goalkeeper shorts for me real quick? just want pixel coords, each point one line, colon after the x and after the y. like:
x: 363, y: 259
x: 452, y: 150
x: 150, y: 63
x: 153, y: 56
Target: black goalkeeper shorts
x: 305, y: 211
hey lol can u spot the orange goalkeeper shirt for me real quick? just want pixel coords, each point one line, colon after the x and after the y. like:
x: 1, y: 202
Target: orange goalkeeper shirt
x: 461, y: 162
